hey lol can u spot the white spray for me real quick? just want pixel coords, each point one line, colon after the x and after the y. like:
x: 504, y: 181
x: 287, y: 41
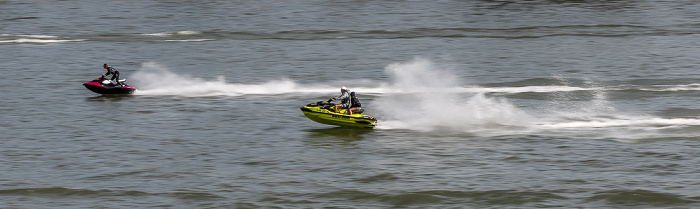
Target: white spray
x: 426, y: 98
x: 155, y: 79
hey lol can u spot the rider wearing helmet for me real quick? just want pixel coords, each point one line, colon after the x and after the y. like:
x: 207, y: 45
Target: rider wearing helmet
x: 344, y: 98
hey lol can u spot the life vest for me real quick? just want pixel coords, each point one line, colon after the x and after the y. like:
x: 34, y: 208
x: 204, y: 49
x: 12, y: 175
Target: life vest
x: 354, y: 101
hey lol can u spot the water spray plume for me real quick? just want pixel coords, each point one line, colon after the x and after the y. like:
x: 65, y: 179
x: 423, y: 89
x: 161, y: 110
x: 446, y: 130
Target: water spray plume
x: 428, y: 98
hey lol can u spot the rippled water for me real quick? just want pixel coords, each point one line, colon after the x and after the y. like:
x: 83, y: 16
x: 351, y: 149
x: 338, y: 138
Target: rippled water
x: 481, y: 104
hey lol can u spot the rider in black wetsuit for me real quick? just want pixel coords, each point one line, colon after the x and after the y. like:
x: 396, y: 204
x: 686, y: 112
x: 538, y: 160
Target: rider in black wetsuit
x: 355, y: 103
x: 111, y: 71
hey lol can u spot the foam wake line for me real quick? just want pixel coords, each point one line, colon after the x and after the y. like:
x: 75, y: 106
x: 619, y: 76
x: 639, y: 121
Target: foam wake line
x: 35, y: 39
x: 154, y: 79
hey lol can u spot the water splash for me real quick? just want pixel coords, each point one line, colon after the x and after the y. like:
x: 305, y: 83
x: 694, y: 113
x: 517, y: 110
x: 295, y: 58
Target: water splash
x: 428, y: 98
x: 424, y: 97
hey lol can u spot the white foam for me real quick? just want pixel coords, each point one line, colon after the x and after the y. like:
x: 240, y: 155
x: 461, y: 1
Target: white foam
x: 39, y: 41
x: 437, y: 103
x: 157, y: 34
x: 190, y: 40
x: 534, y: 89
x: 687, y: 87
x: 38, y: 36
x: 36, y: 39
x: 188, y: 32
x: 182, y: 33
x: 657, y: 123
x: 155, y: 79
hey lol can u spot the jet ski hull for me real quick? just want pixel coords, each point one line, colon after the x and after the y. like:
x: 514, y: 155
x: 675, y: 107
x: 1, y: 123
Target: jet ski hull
x: 320, y: 112
x: 98, y: 87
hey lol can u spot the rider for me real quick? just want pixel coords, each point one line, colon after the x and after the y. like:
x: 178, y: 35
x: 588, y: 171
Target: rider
x: 356, y: 105
x: 344, y: 98
x: 111, y: 71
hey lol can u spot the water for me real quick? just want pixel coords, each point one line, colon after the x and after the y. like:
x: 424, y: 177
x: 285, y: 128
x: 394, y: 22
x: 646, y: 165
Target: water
x: 481, y: 104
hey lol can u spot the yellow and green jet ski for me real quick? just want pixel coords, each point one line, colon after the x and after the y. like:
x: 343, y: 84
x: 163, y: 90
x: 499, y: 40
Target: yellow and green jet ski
x: 322, y: 112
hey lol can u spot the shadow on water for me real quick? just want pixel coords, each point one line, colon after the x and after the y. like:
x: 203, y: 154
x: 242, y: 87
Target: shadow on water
x: 109, y: 98
x: 339, y: 133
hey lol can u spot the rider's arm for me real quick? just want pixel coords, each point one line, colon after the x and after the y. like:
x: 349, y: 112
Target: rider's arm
x: 342, y: 96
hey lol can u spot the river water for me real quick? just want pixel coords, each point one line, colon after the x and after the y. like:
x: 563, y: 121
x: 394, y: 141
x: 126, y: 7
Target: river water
x: 481, y: 104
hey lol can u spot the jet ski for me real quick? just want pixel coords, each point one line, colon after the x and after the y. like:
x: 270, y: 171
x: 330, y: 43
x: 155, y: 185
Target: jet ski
x: 323, y: 112
x: 105, y: 86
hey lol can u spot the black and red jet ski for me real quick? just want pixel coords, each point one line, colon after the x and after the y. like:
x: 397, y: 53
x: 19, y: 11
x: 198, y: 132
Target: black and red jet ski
x: 105, y: 86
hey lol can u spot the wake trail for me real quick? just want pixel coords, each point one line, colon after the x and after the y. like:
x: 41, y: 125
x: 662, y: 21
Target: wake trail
x: 434, y: 105
x: 154, y: 79
x: 423, y: 97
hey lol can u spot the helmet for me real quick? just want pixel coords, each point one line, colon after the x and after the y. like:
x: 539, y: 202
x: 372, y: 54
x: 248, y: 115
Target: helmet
x: 344, y: 88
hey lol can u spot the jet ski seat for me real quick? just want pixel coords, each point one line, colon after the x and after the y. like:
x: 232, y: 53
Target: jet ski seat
x: 105, y: 81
